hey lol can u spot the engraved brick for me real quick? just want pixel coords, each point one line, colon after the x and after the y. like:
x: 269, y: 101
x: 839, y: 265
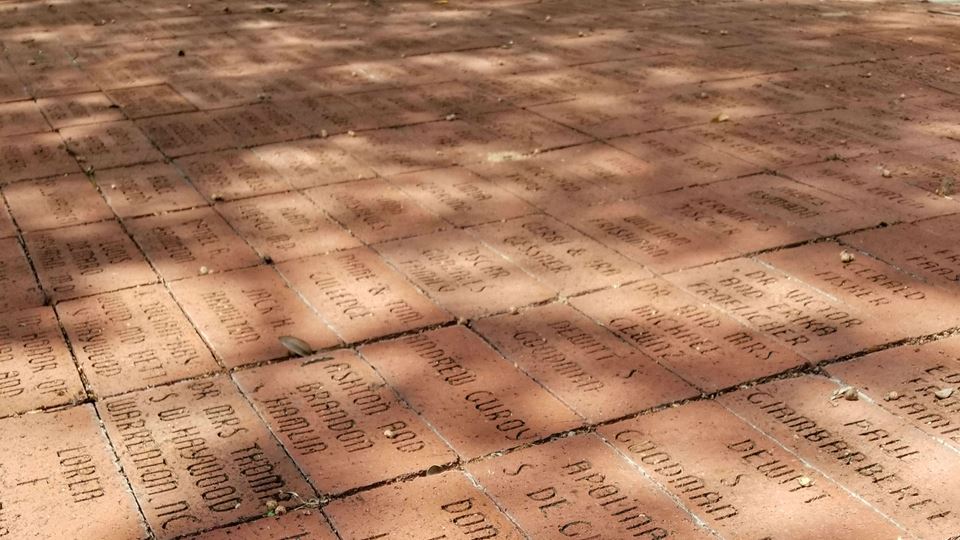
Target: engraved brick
x: 34, y: 156
x: 87, y: 259
x: 55, y: 202
x: 132, y: 339
x: 477, y: 402
x: 312, y: 163
x: 242, y: 314
x: 36, y: 369
x: 462, y: 275
x: 375, y: 210
x: 580, y: 362
x: 692, y: 339
x: 197, y: 456
x: 79, y: 109
x: 145, y: 101
x: 179, y: 244
x: 146, y: 189
x: 21, y: 117
x: 580, y: 487
x: 60, y: 464
x: 232, y: 174
x: 338, y: 420
x: 285, y: 226
x: 110, y: 145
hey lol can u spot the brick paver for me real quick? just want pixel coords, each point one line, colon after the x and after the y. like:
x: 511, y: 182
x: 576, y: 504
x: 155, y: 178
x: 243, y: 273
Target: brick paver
x: 454, y: 269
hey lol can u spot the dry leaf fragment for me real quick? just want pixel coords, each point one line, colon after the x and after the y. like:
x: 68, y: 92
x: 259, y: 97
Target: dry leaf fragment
x: 295, y: 345
x: 848, y: 393
x: 722, y: 117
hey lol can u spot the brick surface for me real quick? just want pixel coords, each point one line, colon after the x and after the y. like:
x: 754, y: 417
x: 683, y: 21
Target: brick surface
x: 312, y: 163
x: 132, y: 339
x: 87, y: 259
x: 560, y: 256
x: 340, y: 422
x: 187, y: 133
x: 243, y: 313
x: 233, y: 174
x: 739, y: 481
x: 578, y: 486
x: 475, y: 400
x: 696, y: 341
x: 360, y: 296
x: 60, y: 462
x: 197, y: 456
x: 891, y: 465
x: 582, y: 363
x: 145, y: 101
x: 55, y: 202
x: 300, y: 525
x: 285, y: 226
x: 37, y: 369
x: 112, y: 144
x: 19, y: 285
x: 906, y: 380
x: 460, y: 196
x: 462, y: 275
x: 35, y: 156
x: 441, y: 506
x: 375, y: 210
x: 183, y: 244
x: 79, y: 109
x: 21, y: 117
x: 146, y: 189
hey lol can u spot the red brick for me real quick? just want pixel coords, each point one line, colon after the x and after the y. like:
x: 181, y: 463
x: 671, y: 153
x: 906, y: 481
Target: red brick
x: 898, y: 305
x: 112, y: 144
x: 233, y: 174
x: 580, y: 487
x: 905, y: 380
x: 187, y: 133
x: 579, y: 361
x: 145, y: 101
x: 79, y: 109
x: 468, y: 392
x: 146, y: 189
x: 34, y: 156
x: 87, y: 259
x: 180, y: 244
x: 524, y: 131
x: 132, y: 339
x: 432, y: 507
x: 18, y: 286
x: 333, y: 114
x: 55, y: 202
x: 37, y: 369
x: 558, y: 255
x: 58, y: 466
x: 311, y: 163
x: 197, y: 456
x: 677, y: 161
x: 674, y: 230
x: 299, y: 525
x: 462, y: 275
x: 884, y: 460
x: 21, y: 117
x: 7, y: 227
x: 692, y: 339
x: 243, y: 313
x: 928, y: 251
x: 738, y: 481
x: 259, y: 124
x: 460, y: 196
x: 360, y: 296
x: 375, y: 210
x: 338, y: 420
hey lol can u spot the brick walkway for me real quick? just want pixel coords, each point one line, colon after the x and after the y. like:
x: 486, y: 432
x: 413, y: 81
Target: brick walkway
x: 572, y: 269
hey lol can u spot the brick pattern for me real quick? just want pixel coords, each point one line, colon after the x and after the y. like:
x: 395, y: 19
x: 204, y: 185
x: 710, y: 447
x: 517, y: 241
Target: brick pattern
x: 565, y: 269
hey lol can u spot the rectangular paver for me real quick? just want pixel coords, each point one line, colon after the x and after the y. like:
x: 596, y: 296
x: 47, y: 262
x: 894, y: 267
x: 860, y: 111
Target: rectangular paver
x: 474, y: 398
x: 338, y: 420
x: 197, y: 456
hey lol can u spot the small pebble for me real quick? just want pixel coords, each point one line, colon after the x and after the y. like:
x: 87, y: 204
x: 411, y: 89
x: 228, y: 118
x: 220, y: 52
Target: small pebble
x: 280, y: 510
x: 892, y: 396
x: 450, y: 117
x: 389, y: 434
x: 805, y: 481
x: 944, y: 393
x: 204, y: 270
x: 352, y: 133
x: 886, y: 173
x: 846, y: 256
